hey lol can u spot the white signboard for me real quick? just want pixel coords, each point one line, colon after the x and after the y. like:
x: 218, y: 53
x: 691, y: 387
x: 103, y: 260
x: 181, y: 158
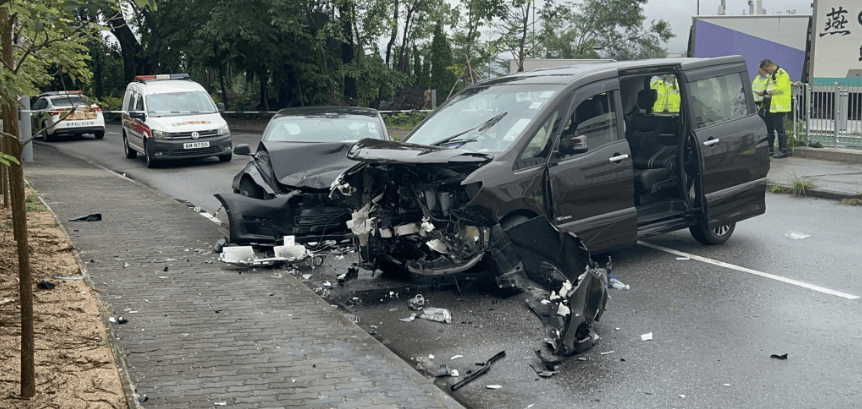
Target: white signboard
x: 837, y: 39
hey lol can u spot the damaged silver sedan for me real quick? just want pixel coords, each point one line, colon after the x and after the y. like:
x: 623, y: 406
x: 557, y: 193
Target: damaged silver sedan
x: 520, y: 176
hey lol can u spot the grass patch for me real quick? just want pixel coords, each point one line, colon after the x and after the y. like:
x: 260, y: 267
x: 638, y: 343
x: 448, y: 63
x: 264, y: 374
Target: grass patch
x: 33, y: 203
x: 800, y: 186
x: 852, y: 201
x: 778, y: 189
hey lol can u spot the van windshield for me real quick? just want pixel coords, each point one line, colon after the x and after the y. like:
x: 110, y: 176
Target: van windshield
x: 180, y: 103
x: 484, y: 118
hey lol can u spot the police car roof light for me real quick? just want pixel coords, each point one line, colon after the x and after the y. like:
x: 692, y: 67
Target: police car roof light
x: 143, y: 78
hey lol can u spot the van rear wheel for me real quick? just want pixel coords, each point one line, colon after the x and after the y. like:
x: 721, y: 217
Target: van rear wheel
x: 717, y: 235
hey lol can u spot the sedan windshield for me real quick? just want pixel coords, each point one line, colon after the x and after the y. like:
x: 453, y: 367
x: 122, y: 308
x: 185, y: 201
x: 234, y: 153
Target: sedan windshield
x: 180, y: 103
x: 342, y: 128
x: 485, y: 118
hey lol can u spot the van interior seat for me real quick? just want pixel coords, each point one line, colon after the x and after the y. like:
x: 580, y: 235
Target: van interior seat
x: 654, y: 155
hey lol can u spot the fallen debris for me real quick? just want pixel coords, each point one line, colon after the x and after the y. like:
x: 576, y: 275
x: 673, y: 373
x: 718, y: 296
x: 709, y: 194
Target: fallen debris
x: 410, y: 318
x: 46, y: 284
x: 647, y: 337
x: 471, y: 375
x: 795, y: 235
x: 550, y: 363
x: 95, y: 217
x: 416, y: 303
x: 543, y: 373
x: 782, y: 357
x: 613, y: 282
x: 351, y: 274
x: 493, y: 386
x: 437, y: 314
x: 68, y: 278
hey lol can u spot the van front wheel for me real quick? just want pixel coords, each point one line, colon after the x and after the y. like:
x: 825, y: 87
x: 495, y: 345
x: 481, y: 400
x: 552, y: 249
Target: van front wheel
x: 717, y: 235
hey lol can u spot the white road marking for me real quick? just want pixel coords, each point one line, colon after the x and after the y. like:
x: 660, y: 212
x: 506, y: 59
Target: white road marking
x: 750, y: 271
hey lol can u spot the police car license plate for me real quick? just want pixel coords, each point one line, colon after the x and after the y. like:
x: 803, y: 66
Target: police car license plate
x: 195, y: 145
x: 80, y: 123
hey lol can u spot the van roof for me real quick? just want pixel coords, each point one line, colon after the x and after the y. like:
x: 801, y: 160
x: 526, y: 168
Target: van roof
x: 167, y: 86
x: 572, y: 73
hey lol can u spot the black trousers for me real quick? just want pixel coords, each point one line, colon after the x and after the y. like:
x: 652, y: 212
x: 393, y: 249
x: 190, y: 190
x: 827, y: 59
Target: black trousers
x: 775, y: 122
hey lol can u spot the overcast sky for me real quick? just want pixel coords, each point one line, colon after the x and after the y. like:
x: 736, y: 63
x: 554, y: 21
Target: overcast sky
x: 679, y: 13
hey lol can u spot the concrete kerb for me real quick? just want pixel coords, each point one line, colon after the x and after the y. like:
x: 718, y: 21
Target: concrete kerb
x: 830, y: 154
x: 119, y: 357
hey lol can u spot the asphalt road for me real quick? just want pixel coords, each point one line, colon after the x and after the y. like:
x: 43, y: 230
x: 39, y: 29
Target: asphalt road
x: 714, y: 325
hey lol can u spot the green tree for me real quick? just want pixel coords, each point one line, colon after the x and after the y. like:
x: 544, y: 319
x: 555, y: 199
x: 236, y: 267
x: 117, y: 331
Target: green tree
x: 442, y: 79
x: 514, y: 23
x: 601, y: 29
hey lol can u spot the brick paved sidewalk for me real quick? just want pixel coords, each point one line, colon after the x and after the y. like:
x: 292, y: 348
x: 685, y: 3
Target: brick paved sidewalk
x: 202, y: 333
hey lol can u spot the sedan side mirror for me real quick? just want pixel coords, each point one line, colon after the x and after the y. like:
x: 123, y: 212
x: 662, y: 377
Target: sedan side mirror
x: 138, y: 115
x: 242, y: 149
x: 573, y: 144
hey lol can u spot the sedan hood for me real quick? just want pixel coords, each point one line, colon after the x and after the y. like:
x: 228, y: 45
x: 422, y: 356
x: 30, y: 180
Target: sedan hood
x: 381, y: 152
x: 308, y: 165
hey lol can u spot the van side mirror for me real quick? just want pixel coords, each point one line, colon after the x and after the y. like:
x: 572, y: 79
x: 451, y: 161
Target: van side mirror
x: 138, y: 115
x: 220, y: 106
x: 572, y: 144
x: 242, y: 149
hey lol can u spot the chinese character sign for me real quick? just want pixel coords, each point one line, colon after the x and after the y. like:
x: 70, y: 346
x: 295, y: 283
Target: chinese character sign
x: 839, y: 32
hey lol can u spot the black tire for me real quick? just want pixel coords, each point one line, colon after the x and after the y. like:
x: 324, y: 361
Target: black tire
x: 706, y: 236
x: 130, y: 153
x: 148, y: 158
x: 248, y: 188
x: 45, y: 134
x: 99, y: 135
x: 225, y: 158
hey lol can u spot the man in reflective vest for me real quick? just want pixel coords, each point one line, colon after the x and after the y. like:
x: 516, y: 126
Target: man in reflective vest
x: 779, y: 92
x: 667, y: 89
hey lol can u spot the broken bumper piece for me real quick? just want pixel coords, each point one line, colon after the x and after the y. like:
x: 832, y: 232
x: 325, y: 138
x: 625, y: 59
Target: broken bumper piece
x: 245, y: 255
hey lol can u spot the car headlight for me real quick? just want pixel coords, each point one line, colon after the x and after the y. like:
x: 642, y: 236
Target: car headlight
x: 224, y: 130
x: 159, y: 134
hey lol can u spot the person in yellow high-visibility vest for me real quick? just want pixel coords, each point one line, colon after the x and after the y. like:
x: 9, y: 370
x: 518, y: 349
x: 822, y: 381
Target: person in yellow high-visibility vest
x: 779, y: 92
x: 667, y: 89
x: 759, y: 84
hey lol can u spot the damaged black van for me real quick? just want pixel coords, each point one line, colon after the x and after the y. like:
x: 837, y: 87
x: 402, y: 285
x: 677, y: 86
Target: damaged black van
x: 509, y: 171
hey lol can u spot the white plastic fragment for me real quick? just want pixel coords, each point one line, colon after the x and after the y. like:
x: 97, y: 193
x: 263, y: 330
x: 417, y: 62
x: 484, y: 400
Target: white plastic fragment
x: 438, y: 246
x: 682, y: 396
x: 795, y: 235
x: 327, y: 284
x: 430, y: 356
x: 683, y: 258
x: 410, y: 318
x: 493, y: 386
x: 220, y: 403
x: 437, y: 314
x: 126, y: 265
x: 647, y: 337
x: 456, y: 357
x: 6, y: 300
x: 306, y: 276
x: 454, y: 373
x: 111, y: 320
x: 608, y: 352
x: 563, y: 311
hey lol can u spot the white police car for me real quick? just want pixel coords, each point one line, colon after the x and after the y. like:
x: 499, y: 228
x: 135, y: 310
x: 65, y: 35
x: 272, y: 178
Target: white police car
x: 66, y: 113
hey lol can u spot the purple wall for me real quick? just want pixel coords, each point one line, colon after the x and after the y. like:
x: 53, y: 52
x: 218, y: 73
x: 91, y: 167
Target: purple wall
x: 716, y: 41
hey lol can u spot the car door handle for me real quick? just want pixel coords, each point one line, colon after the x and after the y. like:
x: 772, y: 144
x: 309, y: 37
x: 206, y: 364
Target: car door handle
x: 711, y: 142
x: 619, y: 158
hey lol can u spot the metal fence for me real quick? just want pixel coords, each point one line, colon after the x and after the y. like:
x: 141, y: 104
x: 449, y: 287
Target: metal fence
x: 828, y: 113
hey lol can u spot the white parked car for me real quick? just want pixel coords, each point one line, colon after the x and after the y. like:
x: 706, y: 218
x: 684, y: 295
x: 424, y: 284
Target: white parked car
x: 66, y: 113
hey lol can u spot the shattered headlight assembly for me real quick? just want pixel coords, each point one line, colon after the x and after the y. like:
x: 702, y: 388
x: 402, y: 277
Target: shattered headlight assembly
x: 224, y: 130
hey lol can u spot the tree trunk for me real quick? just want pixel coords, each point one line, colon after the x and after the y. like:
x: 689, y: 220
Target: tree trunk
x: 264, y: 100
x: 157, y: 42
x: 19, y: 218
x: 128, y: 44
x: 394, y: 32
x: 402, y: 54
